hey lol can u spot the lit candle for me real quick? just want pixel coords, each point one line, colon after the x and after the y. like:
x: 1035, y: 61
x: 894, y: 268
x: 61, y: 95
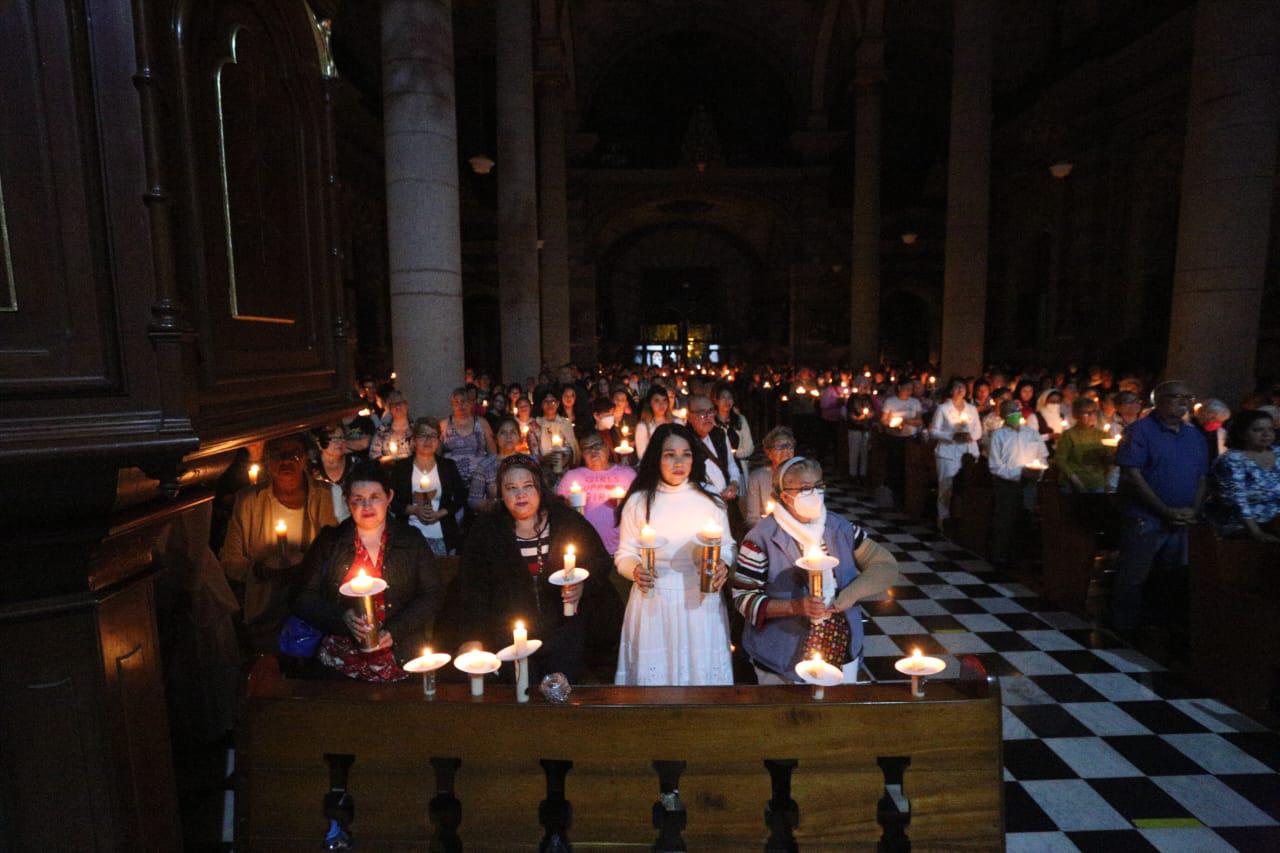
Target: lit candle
x: 681, y: 413
x: 282, y: 536
x: 711, y: 532
x: 393, y: 376
x: 866, y: 410
x: 524, y: 430
x: 577, y: 497
x: 521, y: 638
x: 1036, y: 465
x: 919, y: 666
x: 815, y: 393
x: 895, y: 422
x: 361, y: 583
x: 626, y: 430
x: 365, y: 412
x: 769, y: 506
x: 424, y: 483
x: 867, y: 374
x: 623, y: 449
x: 392, y: 447
x: 254, y: 470
x: 648, y: 537
x: 784, y: 398
x: 617, y: 493
x: 570, y: 562
x: 800, y: 390
x: 556, y: 441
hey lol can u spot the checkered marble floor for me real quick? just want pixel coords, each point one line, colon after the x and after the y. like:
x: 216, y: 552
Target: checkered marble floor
x: 1103, y: 749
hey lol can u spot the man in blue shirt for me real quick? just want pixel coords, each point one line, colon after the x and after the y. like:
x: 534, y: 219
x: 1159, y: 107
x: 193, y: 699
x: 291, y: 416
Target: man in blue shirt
x: 1163, y: 464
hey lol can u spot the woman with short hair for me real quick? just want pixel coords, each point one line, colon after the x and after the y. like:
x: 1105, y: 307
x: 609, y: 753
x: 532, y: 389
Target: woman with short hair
x: 432, y: 474
x: 392, y: 440
x: 1246, y: 479
x: 784, y: 622
x: 466, y: 438
x: 779, y: 446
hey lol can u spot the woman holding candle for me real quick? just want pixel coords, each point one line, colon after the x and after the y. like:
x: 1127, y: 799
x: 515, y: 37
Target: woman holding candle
x: 598, y: 478
x: 785, y: 622
x: 429, y: 491
x: 555, y: 432
x: 956, y: 429
x: 393, y: 439
x: 673, y: 633
x: 507, y: 563
x: 466, y: 438
x: 367, y: 542
x: 654, y: 412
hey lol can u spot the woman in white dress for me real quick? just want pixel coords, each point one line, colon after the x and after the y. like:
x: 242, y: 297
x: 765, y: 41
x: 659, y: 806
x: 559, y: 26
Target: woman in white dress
x: 673, y: 633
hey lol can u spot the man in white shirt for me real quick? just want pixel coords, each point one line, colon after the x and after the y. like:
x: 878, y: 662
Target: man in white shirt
x: 1017, y: 458
x: 724, y: 476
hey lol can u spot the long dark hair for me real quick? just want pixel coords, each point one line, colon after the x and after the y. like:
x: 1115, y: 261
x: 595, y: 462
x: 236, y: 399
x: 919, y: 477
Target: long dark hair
x: 646, y: 408
x: 524, y: 462
x: 649, y: 473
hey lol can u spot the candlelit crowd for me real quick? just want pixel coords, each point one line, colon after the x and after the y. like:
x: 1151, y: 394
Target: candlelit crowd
x: 633, y: 530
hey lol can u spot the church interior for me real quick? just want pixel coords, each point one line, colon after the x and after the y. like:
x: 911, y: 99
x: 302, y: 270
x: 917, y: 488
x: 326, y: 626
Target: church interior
x: 317, y: 316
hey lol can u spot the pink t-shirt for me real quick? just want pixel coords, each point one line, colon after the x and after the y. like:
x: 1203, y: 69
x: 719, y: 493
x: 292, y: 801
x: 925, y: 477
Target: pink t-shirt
x: 597, y: 485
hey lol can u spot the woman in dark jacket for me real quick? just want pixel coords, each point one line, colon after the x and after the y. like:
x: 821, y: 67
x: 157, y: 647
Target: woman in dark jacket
x: 437, y: 519
x: 510, y: 554
x: 381, y: 547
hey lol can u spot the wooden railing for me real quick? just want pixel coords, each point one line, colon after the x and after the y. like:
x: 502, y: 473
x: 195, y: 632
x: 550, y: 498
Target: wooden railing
x: 731, y: 768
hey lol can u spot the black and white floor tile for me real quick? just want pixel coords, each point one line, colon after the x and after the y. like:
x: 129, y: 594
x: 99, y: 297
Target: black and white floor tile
x: 1104, y: 749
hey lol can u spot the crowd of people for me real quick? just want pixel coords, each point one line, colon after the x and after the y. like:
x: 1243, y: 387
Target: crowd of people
x: 629, y: 472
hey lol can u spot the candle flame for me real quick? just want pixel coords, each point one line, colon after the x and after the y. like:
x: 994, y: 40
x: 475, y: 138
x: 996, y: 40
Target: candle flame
x: 519, y: 624
x: 426, y: 650
x: 817, y: 656
x: 281, y: 527
x: 915, y: 653
x: 576, y: 487
x: 570, y: 551
x: 361, y: 575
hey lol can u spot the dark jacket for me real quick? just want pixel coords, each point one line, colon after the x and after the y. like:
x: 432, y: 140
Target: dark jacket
x: 414, y: 591
x: 453, y: 495
x: 497, y: 589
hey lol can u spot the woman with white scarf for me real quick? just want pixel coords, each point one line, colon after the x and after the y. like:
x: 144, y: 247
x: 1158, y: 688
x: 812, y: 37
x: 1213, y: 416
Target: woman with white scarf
x: 784, y: 623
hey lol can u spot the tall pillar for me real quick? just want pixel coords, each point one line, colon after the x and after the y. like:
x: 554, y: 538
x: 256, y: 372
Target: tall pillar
x: 864, y: 319
x: 423, y: 241
x: 964, y: 281
x: 553, y: 188
x: 519, y: 312
x: 1228, y: 180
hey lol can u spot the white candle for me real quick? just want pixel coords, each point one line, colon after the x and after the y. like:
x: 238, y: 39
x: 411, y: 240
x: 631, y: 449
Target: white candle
x: 556, y: 441
x: 282, y: 534
x: 769, y: 506
x: 364, y: 413
x: 626, y: 430
x: 623, y: 448
x: 617, y: 493
x: 800, y: 390
x: 521, y: 637
x: 895, y: 422
x: 570, y: 562
x: 648, y: 536
x: 254, y: 470
x: 711, y: 532
x: 577, y: 497
x: 392, y: 447
x: 361, y: 583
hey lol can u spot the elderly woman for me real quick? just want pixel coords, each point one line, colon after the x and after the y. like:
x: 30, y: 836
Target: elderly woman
x: 465, y: 438
x: 393, y: 438
x: 673, y: 633
x: 597, y: 479
x: 1080, y: 456
x: 482, y: 493
x: 1246, y: 479
x: 443, y: 490
x: 956, y: 429
x: 779, y: 446
x: 784, y: 622
x: 507, y: 564
x: 368, y: 542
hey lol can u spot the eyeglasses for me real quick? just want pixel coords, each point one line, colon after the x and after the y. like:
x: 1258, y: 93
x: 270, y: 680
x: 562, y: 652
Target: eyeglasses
x: 704, y: 413
x: 819, y: 488
x: 784, y: 445
x: 427, y: 436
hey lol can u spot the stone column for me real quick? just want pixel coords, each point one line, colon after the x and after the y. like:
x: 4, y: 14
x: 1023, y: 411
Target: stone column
x: 423, y: 240
x: 519, y: 306
x: 1228, y: 182
x: 864, y: 320
x: 964, y: 282
x: 553, y: 204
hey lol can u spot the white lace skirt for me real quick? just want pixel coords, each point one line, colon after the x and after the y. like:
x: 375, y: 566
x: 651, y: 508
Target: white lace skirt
x: 677, y: 636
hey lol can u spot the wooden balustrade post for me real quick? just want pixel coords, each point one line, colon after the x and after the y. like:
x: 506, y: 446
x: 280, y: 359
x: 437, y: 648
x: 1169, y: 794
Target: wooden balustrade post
x: 669, y: 815
x: 555, y: 813
x: 445, y: 809
x: 893, y: 812
x: 781, y: 814
x: 339, y: 805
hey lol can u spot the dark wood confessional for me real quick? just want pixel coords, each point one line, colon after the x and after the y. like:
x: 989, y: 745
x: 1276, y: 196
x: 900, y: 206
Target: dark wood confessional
x: 169, y: 294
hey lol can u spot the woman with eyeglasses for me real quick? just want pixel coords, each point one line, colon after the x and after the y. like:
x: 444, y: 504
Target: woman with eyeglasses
x: 673, y: 633
x: 507, y: 561
x: 429, y: 490
x: 332, y: 465
x: 784, y: 622
x: 368, y: 542
x: 392, y: 440
x: 779, y: 446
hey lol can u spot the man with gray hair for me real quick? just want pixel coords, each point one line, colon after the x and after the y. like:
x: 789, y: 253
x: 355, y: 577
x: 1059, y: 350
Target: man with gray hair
x: 1163, y: 462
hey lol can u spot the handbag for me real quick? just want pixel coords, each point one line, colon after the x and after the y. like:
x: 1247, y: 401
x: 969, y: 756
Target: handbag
x: 299, y: 639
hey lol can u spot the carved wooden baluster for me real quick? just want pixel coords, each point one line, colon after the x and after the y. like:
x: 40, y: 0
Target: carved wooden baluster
x: 445, y: 809
x: 781, y: 814
x: 893, y: 812
x: 339, y: 805
x: 669, y: 815
x: 555, y: 812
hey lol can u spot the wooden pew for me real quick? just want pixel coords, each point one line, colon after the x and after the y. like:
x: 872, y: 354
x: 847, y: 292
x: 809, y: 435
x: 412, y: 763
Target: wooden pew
x: 972, y: 503
x: 831, y: 762
x: 1235, y: 632
x: 1067, y: 547
x: 921, y: 486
